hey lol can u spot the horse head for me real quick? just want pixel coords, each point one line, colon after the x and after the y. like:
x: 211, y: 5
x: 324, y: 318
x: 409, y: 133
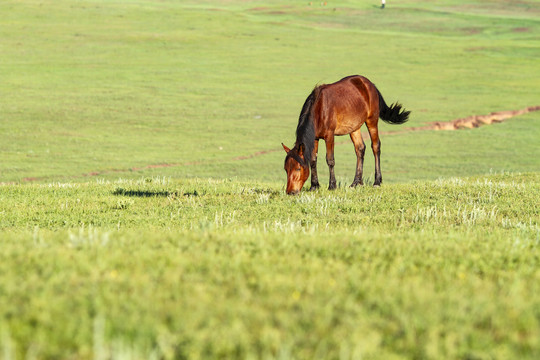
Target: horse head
x: 296, y: 167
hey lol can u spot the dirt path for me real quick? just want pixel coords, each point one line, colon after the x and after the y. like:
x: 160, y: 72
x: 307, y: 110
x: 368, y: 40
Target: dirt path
x: 475, y: 121
x: 469, y: 122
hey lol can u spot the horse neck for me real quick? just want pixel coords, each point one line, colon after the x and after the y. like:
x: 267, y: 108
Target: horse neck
x: 306, y: 135
x: 305, y: 131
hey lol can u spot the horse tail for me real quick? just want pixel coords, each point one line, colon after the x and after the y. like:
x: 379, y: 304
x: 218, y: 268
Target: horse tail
x: 393, y: 114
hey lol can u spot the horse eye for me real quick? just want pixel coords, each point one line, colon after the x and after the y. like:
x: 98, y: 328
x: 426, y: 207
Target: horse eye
x: 298, y: 169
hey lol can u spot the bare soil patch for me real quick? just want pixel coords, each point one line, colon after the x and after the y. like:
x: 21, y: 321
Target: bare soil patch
x: 475, y: 121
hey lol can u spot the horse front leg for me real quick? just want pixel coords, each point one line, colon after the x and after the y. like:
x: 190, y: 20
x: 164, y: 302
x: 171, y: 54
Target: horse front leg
x: 330, y: 161
x: 314, y: 178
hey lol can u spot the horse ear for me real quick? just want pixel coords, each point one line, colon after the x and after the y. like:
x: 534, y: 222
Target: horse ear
x: 285, y: 148
x: 301, y: 149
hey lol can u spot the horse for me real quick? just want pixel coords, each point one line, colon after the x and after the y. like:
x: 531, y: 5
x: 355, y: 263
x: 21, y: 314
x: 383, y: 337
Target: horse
x: 334, y: 109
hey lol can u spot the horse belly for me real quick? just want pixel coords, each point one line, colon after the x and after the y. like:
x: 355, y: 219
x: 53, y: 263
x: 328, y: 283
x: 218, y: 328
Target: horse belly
x: 347, y: 125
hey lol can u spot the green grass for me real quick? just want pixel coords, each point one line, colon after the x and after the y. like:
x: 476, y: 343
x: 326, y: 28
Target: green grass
x: 142, y: 205
x: 229, y: 269
x: 95, y: 86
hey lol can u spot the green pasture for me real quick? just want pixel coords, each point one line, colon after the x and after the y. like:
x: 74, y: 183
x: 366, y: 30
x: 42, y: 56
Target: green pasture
x: 193, y: 269
x: 142, y: 205
x: 107, y: 87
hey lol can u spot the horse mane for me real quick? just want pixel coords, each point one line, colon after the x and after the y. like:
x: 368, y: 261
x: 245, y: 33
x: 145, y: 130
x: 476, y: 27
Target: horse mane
x: 305, y: 131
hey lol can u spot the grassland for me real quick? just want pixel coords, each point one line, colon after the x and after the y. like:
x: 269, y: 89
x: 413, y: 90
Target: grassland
x: 142, y: 205
x: 227, y: 269
x: 100, y: 87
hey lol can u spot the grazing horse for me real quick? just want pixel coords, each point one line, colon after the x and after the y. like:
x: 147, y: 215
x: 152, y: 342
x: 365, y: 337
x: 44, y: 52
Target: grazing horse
x: 338, y: 109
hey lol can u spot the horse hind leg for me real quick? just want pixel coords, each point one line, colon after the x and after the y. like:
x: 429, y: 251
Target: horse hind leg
x: 371, y: 124
x: 360, y: 149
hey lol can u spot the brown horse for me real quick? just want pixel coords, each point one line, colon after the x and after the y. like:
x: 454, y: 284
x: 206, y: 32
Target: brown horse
x: 338, y: 109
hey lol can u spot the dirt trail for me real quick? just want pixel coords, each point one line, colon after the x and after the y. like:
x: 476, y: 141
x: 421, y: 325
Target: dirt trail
x: 475, y: 121
x: 469, y: 122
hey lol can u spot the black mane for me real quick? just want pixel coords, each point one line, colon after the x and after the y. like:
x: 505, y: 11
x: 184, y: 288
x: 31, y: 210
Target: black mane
x: 305, y: 131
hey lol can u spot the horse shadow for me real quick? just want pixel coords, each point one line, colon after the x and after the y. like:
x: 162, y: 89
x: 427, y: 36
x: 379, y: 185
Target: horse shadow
x: 152, y: 193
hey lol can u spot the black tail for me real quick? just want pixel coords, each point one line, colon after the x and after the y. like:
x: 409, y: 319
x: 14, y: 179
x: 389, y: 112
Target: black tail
x: 393, y: 114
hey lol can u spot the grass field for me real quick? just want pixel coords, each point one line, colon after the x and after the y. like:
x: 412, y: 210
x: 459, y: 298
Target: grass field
x: 229, y: 269
x: 95, y: 86
x: 142, y: 205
